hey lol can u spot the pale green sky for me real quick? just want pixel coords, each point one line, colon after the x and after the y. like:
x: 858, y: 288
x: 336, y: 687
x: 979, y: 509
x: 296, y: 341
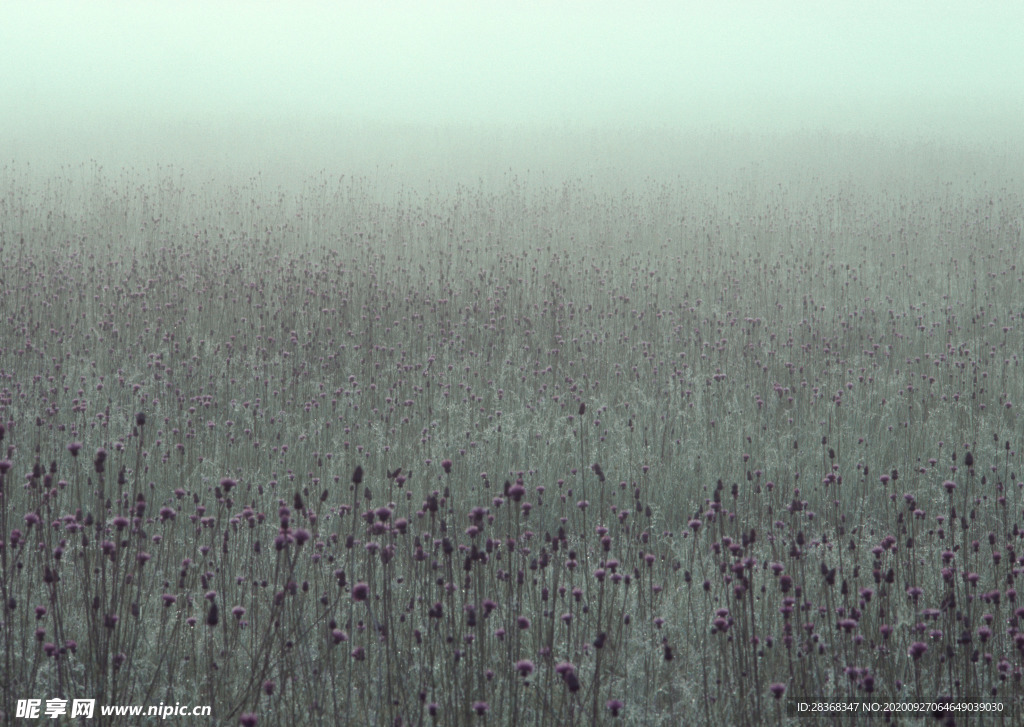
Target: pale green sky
x: 919, y: 67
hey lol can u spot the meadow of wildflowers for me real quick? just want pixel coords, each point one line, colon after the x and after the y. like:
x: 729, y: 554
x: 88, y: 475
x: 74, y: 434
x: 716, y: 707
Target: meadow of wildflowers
x: 525, y: 453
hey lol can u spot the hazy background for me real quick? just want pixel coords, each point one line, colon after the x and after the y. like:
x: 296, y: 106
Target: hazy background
x: 426, y: 89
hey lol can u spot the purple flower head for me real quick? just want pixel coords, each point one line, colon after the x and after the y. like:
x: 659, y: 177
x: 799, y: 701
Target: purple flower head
x: 360, y: 591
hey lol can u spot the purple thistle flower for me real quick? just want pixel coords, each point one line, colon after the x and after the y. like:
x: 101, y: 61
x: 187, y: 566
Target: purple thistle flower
x: 360, y: 591
x: 524, y: 667
x: 614, y: 706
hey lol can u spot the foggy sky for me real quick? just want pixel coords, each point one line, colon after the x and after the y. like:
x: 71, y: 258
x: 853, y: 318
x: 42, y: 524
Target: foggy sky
x: 170, y: 81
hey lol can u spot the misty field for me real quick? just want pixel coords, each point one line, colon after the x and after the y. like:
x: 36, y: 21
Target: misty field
x: 525, y: 453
